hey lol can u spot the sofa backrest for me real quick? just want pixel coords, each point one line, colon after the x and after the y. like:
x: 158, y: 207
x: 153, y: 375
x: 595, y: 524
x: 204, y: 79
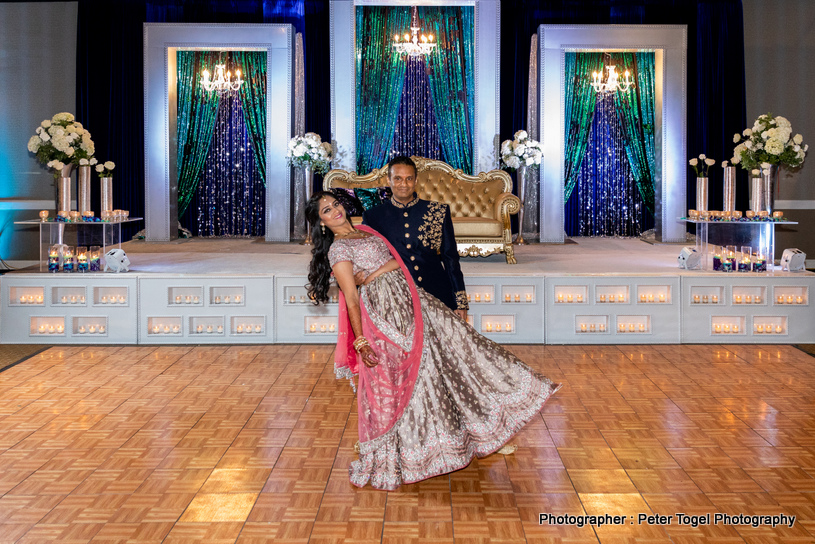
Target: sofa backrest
x: 468, y: 196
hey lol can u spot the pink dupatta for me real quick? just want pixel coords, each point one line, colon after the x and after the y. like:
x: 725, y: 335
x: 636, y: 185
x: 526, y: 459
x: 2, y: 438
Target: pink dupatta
x: 384, y: 390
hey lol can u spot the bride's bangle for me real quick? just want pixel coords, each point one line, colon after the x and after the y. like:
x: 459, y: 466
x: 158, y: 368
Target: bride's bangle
x: 360, y: 342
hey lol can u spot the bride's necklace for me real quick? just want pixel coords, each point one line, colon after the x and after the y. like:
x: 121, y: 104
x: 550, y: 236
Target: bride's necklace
x: 352, y: 234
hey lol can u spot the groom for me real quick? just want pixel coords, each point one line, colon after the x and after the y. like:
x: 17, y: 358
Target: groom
x: 422, y: 233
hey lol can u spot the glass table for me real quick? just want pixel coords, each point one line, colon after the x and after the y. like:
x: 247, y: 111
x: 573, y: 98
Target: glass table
x: 101, y: 233
x: 762, y: 234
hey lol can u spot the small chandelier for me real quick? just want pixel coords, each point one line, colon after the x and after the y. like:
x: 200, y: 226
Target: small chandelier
x: 221, y: 83
x: 413, y: 44
x: 612, y: 82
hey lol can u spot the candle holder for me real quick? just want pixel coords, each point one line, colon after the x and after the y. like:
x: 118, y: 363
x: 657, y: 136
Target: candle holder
x: 53, y: 258
x: 67, y: 259
x: 44, y: 215
x: 95, y: 257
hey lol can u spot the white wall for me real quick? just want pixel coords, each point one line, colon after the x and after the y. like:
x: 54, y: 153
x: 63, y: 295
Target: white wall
x: 37, y: 80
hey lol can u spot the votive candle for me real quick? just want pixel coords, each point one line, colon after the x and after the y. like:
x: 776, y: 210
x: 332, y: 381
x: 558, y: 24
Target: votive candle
x: 583, y: 327
x: 487, y: 297
x: 799, y: 299
x: 579, y: 298
x: 630, y: 327
x: 508, y: 327
x: 507, y: 297
x: 714, y: 299
x: 331, y: 328
x: 611, y: 298
x: 622, y: 327
x: 592, y: 327
x: 313, y: 327
x: 602, y: 298
x: 220, y: 329
x: 529, y: 297
x: 717, y: 328
x: 642, y: 327
x: 735, y: 328
x: 570, y: 298
x: 620, y: 297
x: 560, y: 297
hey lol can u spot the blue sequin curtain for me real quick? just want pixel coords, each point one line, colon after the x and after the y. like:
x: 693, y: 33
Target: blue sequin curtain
x: 227, y: 198
x: 605, y: 200
x: 417, y: 132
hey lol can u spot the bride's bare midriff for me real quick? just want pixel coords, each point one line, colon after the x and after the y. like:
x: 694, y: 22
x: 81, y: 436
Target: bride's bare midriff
x: 387, y: 267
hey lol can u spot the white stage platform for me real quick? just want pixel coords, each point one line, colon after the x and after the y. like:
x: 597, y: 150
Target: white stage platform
x: 177, y: 293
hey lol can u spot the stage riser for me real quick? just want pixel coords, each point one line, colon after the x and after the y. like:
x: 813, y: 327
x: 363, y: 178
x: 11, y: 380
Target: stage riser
x: 130, y: 306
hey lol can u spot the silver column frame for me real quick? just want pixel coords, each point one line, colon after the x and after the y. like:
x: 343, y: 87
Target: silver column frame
x: 487, y: 78
x: 161, y: 43
x: 669, y: 42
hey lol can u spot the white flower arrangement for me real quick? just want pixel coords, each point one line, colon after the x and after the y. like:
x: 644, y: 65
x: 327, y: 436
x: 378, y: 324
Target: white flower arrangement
x: 310, y: 150
x: 61, y: 140
x: 522, y: 150
x: 770, y: 142
x: 702, y: 165
x: 105, y: 170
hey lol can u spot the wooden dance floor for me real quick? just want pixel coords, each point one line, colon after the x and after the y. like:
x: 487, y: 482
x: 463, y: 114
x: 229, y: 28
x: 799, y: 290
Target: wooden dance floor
x: 249, y: 444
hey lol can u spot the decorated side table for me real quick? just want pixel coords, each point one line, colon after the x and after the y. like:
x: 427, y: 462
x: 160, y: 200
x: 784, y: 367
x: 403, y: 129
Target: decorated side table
x: 80, y: 233
x: 762, y: 235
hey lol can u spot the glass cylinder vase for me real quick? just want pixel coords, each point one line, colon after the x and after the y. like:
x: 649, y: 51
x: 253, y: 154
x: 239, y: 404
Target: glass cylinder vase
x: 83, y: 189
x: 729, y: 189
x: 701, y: 194
x: 522, y: 175
x: 756, y: 195
x: 769, y: 180
x: 105, y: 194
x: 308, y: 174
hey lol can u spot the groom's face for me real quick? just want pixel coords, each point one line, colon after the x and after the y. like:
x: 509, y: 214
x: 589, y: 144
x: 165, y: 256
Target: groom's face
x: 402, y: 179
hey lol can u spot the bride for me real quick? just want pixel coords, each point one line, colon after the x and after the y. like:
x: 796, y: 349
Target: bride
x: 432, y: 392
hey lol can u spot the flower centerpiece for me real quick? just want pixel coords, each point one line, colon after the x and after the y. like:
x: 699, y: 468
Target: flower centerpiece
x: 521, y: 151
x: 105, y: 170
x: 61, y: 141
x: 769, y: 143
x: 702, y: 165
x: 309, y: 151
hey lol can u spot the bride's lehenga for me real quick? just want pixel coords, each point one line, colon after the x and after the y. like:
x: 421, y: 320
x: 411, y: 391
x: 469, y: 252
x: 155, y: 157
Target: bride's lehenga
x: 441, y: 393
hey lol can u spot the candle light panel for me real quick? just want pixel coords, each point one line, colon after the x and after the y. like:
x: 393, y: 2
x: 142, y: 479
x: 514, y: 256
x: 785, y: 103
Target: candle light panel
x: 653, y: 294
x: 248, y: 325
x: 90, y: 325
x: 320, y: 325
x: 767, y: 325
x: 110, y: 296
x: 512, y: 294
x: 183, y: 296
x: 495, y: 324
x: 727, y: 325
x: 227, y: 296
x: 591, y: 324
x: 611, y: 294
x: 165, y: 325
x: 707, y: 295
x: 633, y: 324
x: 26, y: 296
x: 571, y: 294
x: 744, y: 296
x: 46, y: 325
x: 790, y: 295
x: 481, y: 294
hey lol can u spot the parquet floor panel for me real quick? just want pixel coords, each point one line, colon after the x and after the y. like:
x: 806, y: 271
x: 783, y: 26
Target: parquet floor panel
x: 251, y: 444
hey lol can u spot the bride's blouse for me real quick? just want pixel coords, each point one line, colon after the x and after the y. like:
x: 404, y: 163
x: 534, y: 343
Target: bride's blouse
x: 366, y: 254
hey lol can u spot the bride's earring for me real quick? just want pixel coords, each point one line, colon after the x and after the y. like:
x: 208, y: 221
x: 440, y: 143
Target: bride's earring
x: 322, y: 228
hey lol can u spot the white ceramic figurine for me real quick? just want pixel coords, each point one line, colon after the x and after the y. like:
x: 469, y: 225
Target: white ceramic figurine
x: 116, y: 260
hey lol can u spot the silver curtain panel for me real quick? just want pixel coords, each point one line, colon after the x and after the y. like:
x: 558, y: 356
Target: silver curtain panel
x: 530, y: 230
x: 299, y: 223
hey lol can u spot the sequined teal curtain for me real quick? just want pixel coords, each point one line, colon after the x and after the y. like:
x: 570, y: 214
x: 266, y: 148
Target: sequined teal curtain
x: 580, y: 105
x: 451, y: 80
x: 252, y: 65
x: 197, y: 110
x: 380, y: 76
x: 635, y: 111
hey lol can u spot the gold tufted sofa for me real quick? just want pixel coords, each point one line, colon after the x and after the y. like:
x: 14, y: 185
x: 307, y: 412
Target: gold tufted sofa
x: 480, y: 205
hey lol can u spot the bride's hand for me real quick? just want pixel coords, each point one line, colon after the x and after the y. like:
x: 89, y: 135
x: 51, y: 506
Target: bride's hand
x: 368, y: 356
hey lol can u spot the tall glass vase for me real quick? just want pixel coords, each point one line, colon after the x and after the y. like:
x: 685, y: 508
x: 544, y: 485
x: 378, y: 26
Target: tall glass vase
x: 105, y: 195
x: 83, y: 189
x: 729, y: 189
x: 701, y: 194
x: 64, y: 189
x: 523, y: 174
x: 308, y: 174
x: 769, y: 181
x: 756, y: 195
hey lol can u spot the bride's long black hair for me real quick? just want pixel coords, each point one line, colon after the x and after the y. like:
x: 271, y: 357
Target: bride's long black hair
x: 319, y: 269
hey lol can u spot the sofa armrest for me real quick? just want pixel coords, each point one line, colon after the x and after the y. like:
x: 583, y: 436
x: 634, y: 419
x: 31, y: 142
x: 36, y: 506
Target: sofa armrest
x: 505, y: 205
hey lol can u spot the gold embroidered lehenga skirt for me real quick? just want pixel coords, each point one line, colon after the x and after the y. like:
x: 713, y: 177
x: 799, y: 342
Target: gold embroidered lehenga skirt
x: 469, y: 398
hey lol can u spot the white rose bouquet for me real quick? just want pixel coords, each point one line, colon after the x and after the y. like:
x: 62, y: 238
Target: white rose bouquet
x: 701, y: 165
x: 310, y: 150
x: 522, y: 150
x: 769, y: 142
x: 105, y: 170
x: 61, y: 141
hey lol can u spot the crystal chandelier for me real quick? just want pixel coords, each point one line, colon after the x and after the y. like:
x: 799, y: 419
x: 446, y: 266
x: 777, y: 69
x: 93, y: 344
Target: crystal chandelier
x: 612, y: 82
x: 414, y: 45
x: 221, y: 83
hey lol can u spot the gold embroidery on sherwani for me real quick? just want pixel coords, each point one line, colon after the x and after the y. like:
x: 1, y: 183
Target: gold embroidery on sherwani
x: 431, y: 229
x: 461, y: 300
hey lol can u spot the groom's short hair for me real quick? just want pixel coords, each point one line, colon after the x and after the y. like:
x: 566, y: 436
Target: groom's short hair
x: 402, y: 159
